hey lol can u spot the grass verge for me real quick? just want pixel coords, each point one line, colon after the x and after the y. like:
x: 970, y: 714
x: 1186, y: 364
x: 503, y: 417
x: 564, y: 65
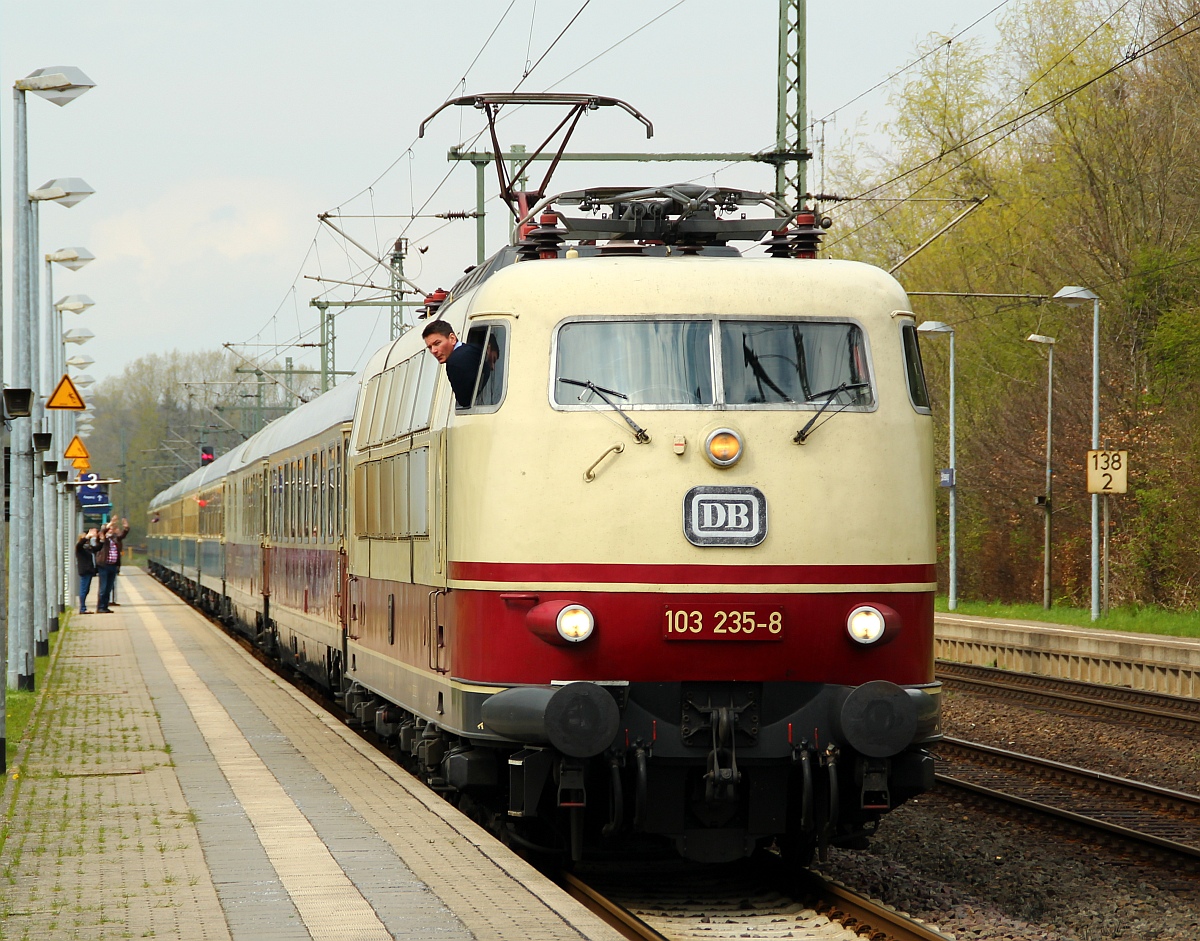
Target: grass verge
x: 1133, y: 619
x: 19, y: 704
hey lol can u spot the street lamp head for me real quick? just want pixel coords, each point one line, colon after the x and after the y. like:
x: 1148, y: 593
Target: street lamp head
x: 1075, y: 296
x: 66, y: 191
x: 77, y: 335
x: 73, y: 258
x: 934, y: 326
x: 83, y: 380
x: 80, y: 361
x: 1038, y: 338
x: 60, y: 84
x: 75, y: 303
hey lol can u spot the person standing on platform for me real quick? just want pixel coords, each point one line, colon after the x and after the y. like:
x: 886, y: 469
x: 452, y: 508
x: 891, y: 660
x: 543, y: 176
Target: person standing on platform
x: 108, y: 558
x: 120, y: 532
x: 85, y: 565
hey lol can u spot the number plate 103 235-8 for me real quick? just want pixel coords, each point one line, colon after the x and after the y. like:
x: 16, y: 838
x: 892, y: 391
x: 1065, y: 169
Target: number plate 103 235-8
x: 722, y: 622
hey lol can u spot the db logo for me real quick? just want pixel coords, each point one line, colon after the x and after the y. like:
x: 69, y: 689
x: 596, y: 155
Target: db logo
x: 725, y: 516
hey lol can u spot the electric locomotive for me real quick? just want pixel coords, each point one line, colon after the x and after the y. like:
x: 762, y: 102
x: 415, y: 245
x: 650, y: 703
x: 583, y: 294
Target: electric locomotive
x: 668, y: 573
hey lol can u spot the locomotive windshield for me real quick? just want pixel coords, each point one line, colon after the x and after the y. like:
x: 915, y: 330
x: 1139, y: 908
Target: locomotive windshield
x: 649, y: 362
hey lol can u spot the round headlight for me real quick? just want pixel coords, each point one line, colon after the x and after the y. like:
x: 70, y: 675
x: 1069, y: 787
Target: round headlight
x: 723, y: 447
x: 575, y: 623
x: 865, y: 624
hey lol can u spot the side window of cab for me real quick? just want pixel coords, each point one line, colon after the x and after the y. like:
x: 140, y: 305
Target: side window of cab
x: 918, y: 393
x: 491, y: 379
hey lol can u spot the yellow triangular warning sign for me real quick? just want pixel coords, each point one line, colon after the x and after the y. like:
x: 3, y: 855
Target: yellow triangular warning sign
x: 82, y: 463
x: 66, y: 396
x: 76, y: 449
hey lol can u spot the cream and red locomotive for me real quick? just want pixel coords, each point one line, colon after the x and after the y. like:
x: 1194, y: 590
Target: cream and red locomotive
x: 670, y: 572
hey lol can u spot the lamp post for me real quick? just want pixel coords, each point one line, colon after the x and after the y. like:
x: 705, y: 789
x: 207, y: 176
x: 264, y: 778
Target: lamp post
x: 1048, y: 342
x: 68, y: 192
x: 936, y: 326
x: 1075, y: 296
x: 60, y: 85
x: 58, y: 495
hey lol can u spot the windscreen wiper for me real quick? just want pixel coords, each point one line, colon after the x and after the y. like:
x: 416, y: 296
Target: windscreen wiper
x: 639, y: 433
x: 803, y: 434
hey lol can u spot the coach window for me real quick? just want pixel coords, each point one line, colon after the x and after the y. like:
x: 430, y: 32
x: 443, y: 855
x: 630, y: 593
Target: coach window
x: 339, y: 490
x: 289, y: 514
x: 310, y: 482
x: 331, y: 487
x: 489, y: 381
x: 293, y: 502
x: 313, y: 491
x: 918, y: 393
x: 302, y: 499
x: 306, y: 499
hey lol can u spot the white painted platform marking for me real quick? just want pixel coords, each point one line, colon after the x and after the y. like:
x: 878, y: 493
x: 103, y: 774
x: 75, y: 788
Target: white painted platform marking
x: 328, y: 902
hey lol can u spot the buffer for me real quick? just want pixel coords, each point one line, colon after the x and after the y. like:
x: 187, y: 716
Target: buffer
x: 66, y: 396
x: 76, y: 449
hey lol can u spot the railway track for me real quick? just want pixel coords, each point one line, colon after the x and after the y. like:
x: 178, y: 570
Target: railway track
x: 673, y: 902
x: 1119, y: 703
x: 1146, y: 814
x: 693, y: 902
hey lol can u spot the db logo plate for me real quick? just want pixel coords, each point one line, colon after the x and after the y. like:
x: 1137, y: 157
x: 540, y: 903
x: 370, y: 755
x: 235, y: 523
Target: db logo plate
x: 725, y: 516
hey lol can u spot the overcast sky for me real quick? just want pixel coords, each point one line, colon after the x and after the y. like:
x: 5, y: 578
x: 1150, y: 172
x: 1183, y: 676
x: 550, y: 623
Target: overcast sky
x: 217, y: 131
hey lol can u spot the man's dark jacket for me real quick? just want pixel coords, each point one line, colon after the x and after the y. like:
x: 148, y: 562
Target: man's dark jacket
x: 461, y: 369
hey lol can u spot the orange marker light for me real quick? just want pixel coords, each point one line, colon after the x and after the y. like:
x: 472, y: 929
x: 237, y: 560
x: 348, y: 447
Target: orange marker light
x: 724, y: 447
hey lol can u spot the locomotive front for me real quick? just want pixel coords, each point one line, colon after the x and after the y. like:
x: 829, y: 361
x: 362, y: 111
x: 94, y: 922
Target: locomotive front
x: 691, y: 549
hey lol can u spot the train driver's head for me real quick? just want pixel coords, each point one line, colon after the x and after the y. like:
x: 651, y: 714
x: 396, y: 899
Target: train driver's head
x: 440, y: 339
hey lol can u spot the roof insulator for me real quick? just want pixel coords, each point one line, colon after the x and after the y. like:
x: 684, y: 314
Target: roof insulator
x: 543, y: 241
x: 806, y: 235
x: 433, y: 302
x: 777, y: 245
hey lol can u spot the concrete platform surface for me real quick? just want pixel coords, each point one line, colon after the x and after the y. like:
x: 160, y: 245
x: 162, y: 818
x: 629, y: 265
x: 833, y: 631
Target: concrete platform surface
x: 171, y: 787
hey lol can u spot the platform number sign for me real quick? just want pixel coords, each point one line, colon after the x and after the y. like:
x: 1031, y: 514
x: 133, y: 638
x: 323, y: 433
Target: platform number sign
x: 1107, y: 471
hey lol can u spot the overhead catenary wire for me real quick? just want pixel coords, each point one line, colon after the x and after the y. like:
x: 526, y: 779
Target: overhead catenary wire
x: 936, y: 48
x: 1012, y: 125
x: 917, y: 61
x: 408, y: 152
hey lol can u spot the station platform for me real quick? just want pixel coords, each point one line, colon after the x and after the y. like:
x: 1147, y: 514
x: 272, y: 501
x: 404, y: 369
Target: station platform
x: 171, y: 787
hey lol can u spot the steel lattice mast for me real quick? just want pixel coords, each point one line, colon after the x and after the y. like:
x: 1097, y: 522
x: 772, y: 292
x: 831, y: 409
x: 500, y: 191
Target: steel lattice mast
x: 791, y: 123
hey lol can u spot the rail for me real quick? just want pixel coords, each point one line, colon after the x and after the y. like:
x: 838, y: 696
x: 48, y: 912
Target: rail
x: 1132, y: 810
x: 1160, y: 710
x: 741, y: 902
